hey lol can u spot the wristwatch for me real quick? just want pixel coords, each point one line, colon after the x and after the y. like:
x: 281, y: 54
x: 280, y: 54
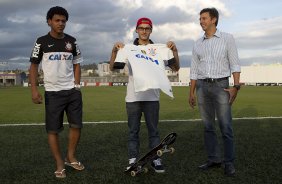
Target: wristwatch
x: 77, y: 86
x: 237, y: 87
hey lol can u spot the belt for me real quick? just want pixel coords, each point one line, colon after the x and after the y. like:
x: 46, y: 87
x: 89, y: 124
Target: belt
x: 211, y: 80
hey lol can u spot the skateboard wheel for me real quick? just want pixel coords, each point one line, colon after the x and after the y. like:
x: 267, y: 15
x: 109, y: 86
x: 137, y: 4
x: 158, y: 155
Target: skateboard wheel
x: 145, y: 170
x: 172, y: 150
x: 133, y: 173
x: 159, y: 153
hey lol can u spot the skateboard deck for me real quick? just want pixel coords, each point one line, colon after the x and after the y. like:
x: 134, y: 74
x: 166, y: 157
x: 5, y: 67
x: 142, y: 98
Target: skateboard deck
x: 159, y: 150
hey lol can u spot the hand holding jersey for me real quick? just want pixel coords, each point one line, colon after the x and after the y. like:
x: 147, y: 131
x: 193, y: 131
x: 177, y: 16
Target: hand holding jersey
x: 147, y: 63
x: 117, y: 46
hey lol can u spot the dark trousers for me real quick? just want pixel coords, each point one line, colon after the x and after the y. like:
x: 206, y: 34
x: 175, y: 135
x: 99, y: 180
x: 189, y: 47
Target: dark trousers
x: 150, y: 109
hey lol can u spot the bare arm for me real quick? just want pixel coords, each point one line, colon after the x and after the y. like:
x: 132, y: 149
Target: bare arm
x: 112, y: 60
x: 33, y: 73
x: 175, y: 66
x: 192, y: 97
x: 77, y: 73
x: 115, y: 49
x: 236, y: 77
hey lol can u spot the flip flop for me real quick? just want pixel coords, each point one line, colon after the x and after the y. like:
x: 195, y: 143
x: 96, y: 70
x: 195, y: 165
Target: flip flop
x: 60, y: 174
x: 76, y: 165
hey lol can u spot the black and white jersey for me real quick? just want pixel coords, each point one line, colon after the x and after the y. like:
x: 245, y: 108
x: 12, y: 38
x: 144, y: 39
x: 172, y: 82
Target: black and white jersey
x: 57, y: 57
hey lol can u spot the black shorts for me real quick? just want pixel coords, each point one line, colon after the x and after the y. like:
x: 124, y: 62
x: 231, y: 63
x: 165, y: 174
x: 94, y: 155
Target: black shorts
x: 58, y: 102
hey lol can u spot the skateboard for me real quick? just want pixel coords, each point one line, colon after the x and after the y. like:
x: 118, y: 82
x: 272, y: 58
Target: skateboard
x: 139, y: 166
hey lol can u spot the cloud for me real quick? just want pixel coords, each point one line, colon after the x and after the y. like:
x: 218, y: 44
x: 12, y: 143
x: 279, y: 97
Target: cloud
x: 178, y: 31
x: 17, y: 19
x: 260, y: 41
x: 98, y: 24
x: 129, y: 5
x: 19, y: 58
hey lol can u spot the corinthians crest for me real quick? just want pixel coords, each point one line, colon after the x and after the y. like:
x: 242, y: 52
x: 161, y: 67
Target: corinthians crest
x: 68, y: 46
x: 152, y: 52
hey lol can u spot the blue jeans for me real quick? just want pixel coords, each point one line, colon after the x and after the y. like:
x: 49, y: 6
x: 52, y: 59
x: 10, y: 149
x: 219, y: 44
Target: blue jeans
x: 150, y: 110
x: 214, y: 101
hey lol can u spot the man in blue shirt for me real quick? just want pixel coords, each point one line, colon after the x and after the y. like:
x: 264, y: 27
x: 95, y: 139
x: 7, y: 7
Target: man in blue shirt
x: 214, y: 59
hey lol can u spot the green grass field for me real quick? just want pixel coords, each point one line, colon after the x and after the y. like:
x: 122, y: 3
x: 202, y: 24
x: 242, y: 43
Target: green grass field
x: 26, y: 158
x: 107, y: 104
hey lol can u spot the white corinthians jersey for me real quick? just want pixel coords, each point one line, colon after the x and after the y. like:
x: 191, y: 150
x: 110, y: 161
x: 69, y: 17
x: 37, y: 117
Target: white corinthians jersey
x: 146, y: 71
x: 57, y: 57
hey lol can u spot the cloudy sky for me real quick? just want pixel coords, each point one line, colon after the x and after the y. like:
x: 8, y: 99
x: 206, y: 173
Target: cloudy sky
x: 98, y: 24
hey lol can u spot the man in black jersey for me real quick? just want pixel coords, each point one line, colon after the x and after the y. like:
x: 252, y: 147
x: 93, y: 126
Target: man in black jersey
x: 60, y: 57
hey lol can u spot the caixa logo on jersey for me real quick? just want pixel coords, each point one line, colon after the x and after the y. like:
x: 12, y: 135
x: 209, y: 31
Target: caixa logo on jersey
x: 141, y: 56
x: 62, y: 57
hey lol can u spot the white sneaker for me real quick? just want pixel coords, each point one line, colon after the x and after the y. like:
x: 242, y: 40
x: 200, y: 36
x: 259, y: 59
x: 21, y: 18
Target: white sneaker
x: 131, y: 162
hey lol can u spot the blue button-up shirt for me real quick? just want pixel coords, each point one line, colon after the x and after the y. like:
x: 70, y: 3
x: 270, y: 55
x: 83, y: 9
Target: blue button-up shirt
x: 214, y: 57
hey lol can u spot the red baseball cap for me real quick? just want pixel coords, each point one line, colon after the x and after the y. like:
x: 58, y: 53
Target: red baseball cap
x: 144, y: 20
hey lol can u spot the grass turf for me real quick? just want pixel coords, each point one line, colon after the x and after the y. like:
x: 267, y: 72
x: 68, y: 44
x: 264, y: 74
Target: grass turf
x: 107, y: 104
x: 26, y: 158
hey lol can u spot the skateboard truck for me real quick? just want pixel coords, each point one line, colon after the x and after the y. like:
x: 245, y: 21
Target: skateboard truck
x: 165, y: 150
x: 139, y: 170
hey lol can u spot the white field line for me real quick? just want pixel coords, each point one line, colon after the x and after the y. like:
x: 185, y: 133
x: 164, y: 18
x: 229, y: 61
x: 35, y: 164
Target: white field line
x: 117, y: 122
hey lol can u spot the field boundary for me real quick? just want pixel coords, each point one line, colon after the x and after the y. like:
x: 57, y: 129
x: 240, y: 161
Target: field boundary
x: 117, y: 122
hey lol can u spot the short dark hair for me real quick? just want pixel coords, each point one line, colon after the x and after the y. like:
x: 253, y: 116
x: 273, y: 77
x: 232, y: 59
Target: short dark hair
x: 57, y: 10
x: 213, y: 13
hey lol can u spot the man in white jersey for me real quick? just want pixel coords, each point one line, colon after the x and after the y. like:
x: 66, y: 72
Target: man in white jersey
x: 214, y: 59
x: 60, y: 57
x: 143, y: 95
x: 149, y: 58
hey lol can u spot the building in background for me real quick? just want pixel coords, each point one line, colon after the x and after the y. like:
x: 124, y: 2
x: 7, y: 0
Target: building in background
x: 104, y: 69
x: 262, y: 74
x: 10, y: 79
x: 257, y: 75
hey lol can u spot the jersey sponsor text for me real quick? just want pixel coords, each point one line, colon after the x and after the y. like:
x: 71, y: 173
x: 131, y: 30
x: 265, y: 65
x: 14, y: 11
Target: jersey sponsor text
x: 36, y: 50
x: 147, y: 58
x: 55, y: 57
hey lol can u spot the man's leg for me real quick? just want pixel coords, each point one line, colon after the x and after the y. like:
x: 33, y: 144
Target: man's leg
x: 54, y: 109
x: 207, y: 111
x: 53, y: 140
x: 74, y: 115
x: 151, y: 113
x: 223, y: 112
x: 74, y: 136
x: 134, y: 114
